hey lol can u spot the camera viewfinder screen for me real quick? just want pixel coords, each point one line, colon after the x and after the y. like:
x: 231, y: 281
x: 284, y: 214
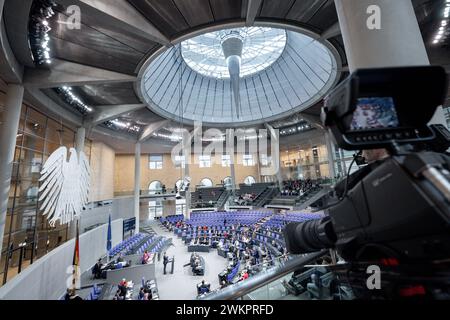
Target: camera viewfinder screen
x: 374, y: 113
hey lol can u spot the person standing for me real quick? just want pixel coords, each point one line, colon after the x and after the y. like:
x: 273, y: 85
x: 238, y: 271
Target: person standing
x: 165, y: 261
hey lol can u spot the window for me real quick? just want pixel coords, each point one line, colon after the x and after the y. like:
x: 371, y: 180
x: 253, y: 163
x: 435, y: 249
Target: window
x: 180, y: 206
x: 156, y: 162
x: 155, y: 187
x: 248, y: 160
x: 180, y: 161
x: 206, y: 183
x: 204, y: 161
x: 38, y: 136
x: 265, y: 160
x: 250, y: 180
x: 226, y: 160
x: 155, y: 209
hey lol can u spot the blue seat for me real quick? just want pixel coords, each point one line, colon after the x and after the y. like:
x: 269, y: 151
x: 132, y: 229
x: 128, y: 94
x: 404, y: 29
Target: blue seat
x: 204, y: 290
x: 97, y: 290
x: 93, y: 296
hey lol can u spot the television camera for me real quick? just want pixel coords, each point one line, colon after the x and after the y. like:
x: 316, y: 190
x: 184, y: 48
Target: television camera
x: 184, y: 186
x: 394, y: 212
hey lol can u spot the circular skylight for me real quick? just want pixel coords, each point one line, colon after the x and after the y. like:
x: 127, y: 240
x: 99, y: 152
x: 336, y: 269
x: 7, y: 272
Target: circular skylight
x: 261, y: 48
x: 282, y: 73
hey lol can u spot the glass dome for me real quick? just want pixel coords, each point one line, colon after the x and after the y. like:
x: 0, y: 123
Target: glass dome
x: 261, y: 48
x: 281, y: 78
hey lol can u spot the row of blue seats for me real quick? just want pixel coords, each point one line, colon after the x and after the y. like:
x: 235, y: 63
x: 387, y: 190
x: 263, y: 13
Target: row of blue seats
x: 228, y: 215
x: 281, y: 221
x: 210, y: 229
x: 146, y: 244
x: 132, y: 248
x: 160, y: 243
x: 95, y: 293
x: 172, y: 219
x: 233, y: 272
x: 230, y: 222
x: 126, y: 244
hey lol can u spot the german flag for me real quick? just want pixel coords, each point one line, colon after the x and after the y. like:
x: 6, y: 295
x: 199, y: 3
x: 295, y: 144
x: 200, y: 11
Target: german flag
x: 76, y: 259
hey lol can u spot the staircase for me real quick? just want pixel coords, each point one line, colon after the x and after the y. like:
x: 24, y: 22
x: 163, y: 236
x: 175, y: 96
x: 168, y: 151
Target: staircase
x: 264, y: 197
x: 223, y: 199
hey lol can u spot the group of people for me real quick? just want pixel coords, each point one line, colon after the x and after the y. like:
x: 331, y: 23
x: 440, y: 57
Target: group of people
x: 99, y: 269
x: 197, y: 264
x: 297, y: 187
x: 245, y: 199
x: 240, y: 244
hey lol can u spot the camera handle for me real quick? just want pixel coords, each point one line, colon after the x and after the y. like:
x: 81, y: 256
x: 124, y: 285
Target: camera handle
x: 440, y: 179
x: 432, y: 166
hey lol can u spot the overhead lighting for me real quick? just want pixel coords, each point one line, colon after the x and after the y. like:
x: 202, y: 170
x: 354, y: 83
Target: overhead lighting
x: 119, y: 124
x: 40, y: 12
x: 71, y: 98
x: 442, y: 33
x: 173, y: 137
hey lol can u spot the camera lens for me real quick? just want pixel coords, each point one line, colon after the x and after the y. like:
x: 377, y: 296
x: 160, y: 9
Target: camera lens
x: 309, y: 236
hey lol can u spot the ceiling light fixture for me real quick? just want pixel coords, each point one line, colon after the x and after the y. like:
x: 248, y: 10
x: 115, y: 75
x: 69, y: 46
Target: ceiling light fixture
x: 121, y: 125
x: 38, y: 30
x: 72, y: 99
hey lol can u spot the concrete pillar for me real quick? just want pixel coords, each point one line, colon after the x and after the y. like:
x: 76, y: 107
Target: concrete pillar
x: 233, y: 174
x: 8, y: 136
x: 187, y: 157
x: 330, y: 153
x: 230, y: 151
x: 398, y: 42
x: 80, y: 139
x: 137, y: 183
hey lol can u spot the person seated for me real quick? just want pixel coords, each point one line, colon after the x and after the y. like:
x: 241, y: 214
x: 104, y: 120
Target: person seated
x: 71, y: 295
x: 148, y: 295
x: 118, y: 295
x: 121, y: 264
x: 97, y: 269
x: 223, y: 285
x: 146, y: 257
x: 244, y: 275
x: 204, y: 288
x: 197, y: 263
x: 141, y: 294
x: 123, y: 287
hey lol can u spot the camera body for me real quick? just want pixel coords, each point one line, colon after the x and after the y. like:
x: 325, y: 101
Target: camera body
x: 390, y: 213
x: 398, y: 207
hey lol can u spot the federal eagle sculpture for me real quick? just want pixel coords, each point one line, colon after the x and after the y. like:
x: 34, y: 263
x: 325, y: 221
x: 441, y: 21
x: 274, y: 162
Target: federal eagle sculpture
x: 65, y: 186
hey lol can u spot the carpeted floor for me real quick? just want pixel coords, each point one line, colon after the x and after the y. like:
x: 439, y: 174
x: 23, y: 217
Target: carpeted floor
x: 182, y: 285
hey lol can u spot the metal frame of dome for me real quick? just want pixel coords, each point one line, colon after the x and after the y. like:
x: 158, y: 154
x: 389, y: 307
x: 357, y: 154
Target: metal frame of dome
x: 191, y: 48
x: 334, y: 53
